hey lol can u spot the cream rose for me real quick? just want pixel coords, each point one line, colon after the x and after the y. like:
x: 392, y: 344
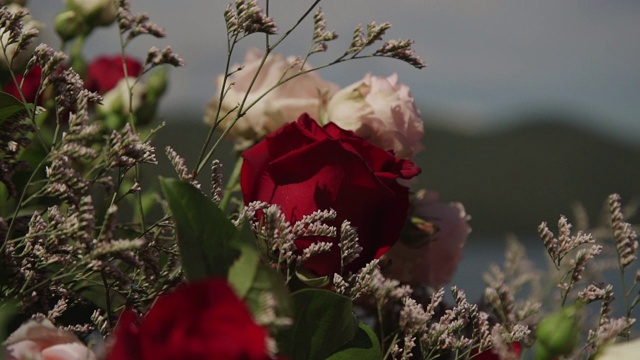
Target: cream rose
x: 431, y: 248
x: 97, y: 12
x: 41, y: 340
x: 22, y: 57
x: 381, y: 111
x: 285, y: 104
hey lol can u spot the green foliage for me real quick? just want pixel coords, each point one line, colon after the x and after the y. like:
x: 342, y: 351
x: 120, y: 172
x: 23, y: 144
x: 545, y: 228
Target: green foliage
x: 364, y: 346
x: 323, y: 323
x: 10, y: 106
x: 204, y: 232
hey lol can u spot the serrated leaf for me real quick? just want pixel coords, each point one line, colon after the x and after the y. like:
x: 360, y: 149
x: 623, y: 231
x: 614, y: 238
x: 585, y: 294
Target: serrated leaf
x: 204, y: 232
x: 323, y: 323
x: 364, y: 346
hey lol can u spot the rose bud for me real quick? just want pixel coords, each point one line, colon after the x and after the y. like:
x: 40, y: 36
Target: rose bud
x: 69, y: 24
x: 557, y: 334
x: 95, y: 12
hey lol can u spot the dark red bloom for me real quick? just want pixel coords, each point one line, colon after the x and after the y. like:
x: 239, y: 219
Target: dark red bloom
x: 104, y: 73
x: 304, y: 167
x: 516, y: 348
x: 200, y: 320
x: 30, y: 85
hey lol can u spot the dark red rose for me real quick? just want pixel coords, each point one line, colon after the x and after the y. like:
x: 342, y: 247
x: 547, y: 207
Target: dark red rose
x: 30, y: 85
x: 200, y: 320
x: 104, y: 73
x: 516, y: 348
x: 304, y: 167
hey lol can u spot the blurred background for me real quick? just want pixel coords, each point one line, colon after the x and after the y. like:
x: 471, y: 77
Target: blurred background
x: 530, y: 107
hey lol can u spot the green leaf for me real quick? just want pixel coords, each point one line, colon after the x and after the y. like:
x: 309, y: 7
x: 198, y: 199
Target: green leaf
x: 204, y: 232
x: 9, y: 106
x: 323, y: 323
x: 364, y: 346
x: 242, y: 273
x: 8, y: 309
x: 267, y: 280
x: 310, y: 279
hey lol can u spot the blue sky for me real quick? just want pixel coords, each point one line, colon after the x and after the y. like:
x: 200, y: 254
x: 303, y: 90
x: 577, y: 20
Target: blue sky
x: 486, y: 58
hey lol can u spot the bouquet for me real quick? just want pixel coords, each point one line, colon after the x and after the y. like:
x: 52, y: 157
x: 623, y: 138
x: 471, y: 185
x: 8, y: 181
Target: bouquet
x: 318, y: 244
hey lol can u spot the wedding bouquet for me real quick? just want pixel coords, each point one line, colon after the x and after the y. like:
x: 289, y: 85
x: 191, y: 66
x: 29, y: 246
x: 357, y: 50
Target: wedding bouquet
x: 319, y: 244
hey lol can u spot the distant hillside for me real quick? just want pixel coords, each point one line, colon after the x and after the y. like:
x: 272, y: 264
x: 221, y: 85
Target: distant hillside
x: 509, y: 180
x: 512, y: 180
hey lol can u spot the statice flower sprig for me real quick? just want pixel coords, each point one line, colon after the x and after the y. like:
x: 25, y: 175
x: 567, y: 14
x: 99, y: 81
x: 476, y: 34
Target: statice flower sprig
x: 239, y: 25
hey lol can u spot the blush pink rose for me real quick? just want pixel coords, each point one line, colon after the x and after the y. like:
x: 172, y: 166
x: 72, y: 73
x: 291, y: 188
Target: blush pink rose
x: 431, y: 248
x: 303, y: 94
x: 381, y: 111
x: 42, y: 340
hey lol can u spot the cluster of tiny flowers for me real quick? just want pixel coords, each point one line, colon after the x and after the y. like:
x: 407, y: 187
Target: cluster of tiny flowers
x: 360, y: 41
x: 246, y: 17
x: 13, y: 33
x: 126, y: 150
x: 279, y: 235
x: 320, y: 34
x: 134, y: 24
x: 559, y: 247
x: 625, y: 236
x: 217, y: 189
x: 358, y: 284
x: 156, y: 57
x: 350, y: 249
x: 401, y: 50
x: 181, y: 169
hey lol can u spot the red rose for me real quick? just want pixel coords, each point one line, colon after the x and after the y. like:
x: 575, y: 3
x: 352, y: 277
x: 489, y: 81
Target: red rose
x: 201, y: 320
x: 516, y: 348
x: 304, y: 167
x: 104, y: 72
x: 30, y: 85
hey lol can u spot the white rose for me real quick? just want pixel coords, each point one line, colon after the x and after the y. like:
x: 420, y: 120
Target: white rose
x: 42, y: 340
x: 381, y: 111
x: 303, y: 94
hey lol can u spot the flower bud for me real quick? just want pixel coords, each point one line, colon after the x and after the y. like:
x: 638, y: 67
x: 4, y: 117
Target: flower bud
x: 95, y: 12
x: 69, y: 24
x: 557, y: 334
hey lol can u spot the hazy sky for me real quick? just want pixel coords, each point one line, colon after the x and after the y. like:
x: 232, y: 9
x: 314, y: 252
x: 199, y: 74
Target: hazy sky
x: 486, y: 58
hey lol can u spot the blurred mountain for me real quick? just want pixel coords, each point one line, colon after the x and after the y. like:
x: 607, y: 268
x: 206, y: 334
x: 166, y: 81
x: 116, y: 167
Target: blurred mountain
x: 509, y: 180
x: 513, y: 179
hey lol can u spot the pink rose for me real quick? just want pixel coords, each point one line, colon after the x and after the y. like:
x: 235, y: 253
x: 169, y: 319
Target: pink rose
x: 42, y: 340
x: 381, y: 111
x: 431, y: 247
x: 303, y: 94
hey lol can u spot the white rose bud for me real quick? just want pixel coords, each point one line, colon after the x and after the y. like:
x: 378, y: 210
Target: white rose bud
x: 381, y: 111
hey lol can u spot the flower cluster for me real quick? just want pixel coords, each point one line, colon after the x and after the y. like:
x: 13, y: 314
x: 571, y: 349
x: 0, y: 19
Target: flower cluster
x: 315, y: 246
